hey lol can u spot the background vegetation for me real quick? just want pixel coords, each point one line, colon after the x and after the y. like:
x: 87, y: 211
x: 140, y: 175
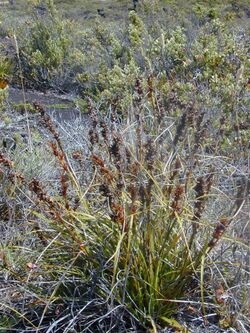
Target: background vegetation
x: 135, y: 220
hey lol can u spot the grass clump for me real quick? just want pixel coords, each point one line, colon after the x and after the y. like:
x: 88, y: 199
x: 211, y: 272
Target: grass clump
x: 137, y: 227
x: 119, y: 225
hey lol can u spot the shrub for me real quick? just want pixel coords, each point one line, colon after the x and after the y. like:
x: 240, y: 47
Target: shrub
x: 103, y: 60
x: 47, y: 50
x: 5, y: 70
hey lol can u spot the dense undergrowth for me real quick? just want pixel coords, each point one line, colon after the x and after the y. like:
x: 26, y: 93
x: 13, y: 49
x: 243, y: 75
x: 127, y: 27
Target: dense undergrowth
x: 121, y: 224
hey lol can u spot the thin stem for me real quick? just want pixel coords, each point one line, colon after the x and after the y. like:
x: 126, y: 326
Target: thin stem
x: 23, y: 93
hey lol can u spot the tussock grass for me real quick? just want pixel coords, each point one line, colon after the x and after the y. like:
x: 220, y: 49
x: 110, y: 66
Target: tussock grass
x: 127, y: 227
x: 137, y: 220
